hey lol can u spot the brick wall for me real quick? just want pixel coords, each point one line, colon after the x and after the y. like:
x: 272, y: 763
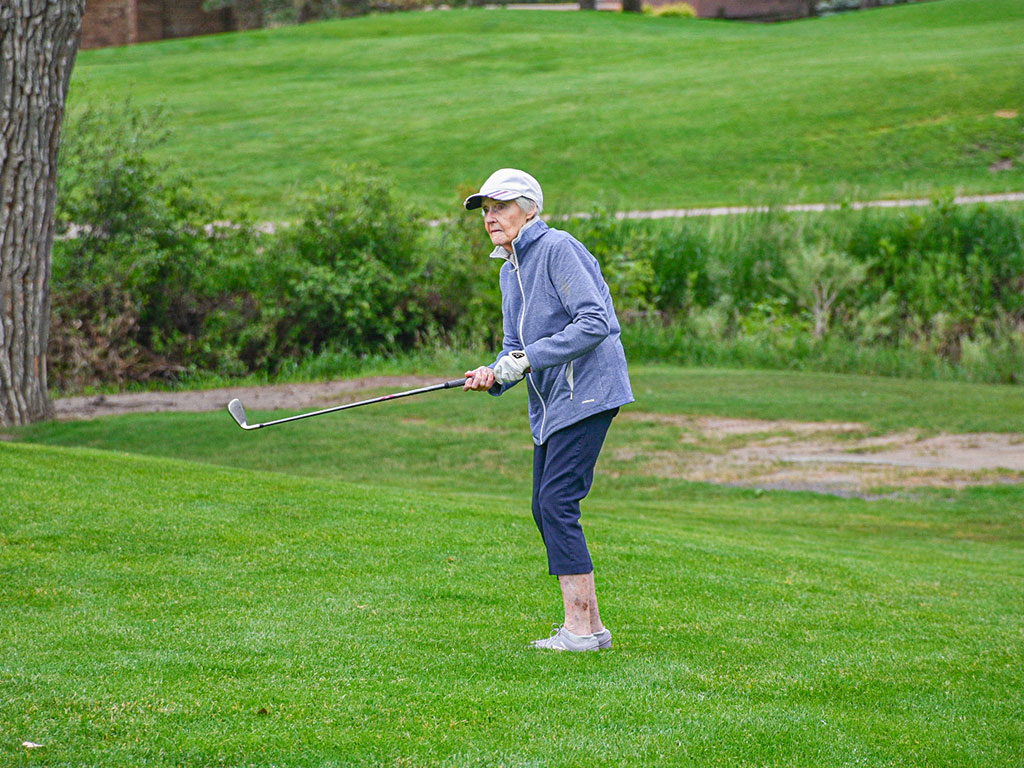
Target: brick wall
x: 150, y: 15
x: 185, y: 18
x: 759, y: 10
x: 107, y: 22
x: 767, y: 10
x: 121, y: 22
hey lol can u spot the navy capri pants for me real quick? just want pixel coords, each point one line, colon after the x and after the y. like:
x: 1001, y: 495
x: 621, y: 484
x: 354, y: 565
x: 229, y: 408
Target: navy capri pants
x: 563, y: 471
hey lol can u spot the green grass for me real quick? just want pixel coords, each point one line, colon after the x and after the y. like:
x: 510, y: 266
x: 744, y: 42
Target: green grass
x: 446, y: 440
x: 169, y: 612
x: 638, y: 112
x: 357, y: 589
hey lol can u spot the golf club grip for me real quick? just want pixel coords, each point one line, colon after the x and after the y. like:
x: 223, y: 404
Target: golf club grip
x: 454, y: 383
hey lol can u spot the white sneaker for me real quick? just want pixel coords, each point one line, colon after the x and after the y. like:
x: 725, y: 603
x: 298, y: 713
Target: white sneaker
x: 563, y: 640
x: 604, y: 639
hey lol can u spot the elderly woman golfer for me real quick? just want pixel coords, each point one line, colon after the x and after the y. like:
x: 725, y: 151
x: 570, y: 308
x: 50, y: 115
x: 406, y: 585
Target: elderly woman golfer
x: 562, y: 336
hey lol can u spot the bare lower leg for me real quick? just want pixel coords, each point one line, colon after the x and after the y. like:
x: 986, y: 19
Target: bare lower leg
x: 579, y: 598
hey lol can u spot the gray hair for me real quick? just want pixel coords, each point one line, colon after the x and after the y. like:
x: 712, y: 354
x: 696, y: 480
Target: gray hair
x: 529, y: 206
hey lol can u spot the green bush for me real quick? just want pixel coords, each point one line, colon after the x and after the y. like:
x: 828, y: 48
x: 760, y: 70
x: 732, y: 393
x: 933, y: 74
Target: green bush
x: 951, y: 271
x: 146, y: 287
x: 137, y: 268
x: 938, y: 291
x: 624, y: 252
x: 674, y: 10
x: 817, y: 278
x: 347, y: 275
x: 460, y: 284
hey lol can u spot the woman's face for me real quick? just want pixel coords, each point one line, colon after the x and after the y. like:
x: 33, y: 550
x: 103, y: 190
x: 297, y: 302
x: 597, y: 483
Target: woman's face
x: 503, y: 219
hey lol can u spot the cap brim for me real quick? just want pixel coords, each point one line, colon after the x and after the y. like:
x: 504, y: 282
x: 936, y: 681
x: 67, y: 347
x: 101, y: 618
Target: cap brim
x: 474, y: 201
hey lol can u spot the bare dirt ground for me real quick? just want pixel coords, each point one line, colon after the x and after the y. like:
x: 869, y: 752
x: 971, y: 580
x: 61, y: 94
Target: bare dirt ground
x: 284, y: 396
x: 831, y: 457
x: 827, y: 457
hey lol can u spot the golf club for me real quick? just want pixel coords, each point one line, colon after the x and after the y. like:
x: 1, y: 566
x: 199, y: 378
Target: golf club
x: 236, y: 409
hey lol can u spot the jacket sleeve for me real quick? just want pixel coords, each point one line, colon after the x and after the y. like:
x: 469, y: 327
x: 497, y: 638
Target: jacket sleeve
x: 577, y: 280
x: 510, y: 340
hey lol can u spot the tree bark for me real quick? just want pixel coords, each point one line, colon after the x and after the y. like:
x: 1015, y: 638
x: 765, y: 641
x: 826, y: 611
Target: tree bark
x: 38, y: 43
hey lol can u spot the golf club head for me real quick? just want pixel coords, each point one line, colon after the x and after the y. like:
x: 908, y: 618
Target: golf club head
x: 238, y: 412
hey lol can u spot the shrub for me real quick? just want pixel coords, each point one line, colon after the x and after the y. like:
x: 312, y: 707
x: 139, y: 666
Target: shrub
x: 145, y: 288
x: 816, y: 278
x: 949, y: 270
x: 460, y: 283
x: 674, y: 10
x: 136, y: 268
x: 624, y: 252
x: 347, y: 276
x: 930, y: 292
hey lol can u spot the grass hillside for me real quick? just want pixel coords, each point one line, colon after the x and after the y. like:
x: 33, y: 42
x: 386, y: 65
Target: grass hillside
x: 163, y: 612
x: 637, y: 111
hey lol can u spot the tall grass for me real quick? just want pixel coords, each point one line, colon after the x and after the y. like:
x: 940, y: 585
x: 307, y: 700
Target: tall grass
x: 930, y: 293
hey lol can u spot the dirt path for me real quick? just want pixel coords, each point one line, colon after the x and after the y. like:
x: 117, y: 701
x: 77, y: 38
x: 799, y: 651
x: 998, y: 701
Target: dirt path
x: 269, y: 227
x: 827, y: 457
x: 741, y: 210
x: 284, y: 396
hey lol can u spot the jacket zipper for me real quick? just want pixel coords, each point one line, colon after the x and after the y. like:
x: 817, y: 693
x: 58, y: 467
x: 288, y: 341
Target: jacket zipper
x: 522, y: 317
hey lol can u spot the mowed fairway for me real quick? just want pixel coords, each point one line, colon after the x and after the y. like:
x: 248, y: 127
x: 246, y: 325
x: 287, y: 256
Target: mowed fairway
x: 457, y: 441
x: 160, y: 611
x: 636, y: 112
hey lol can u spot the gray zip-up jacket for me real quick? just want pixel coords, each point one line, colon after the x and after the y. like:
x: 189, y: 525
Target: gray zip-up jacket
x: 556, y: 307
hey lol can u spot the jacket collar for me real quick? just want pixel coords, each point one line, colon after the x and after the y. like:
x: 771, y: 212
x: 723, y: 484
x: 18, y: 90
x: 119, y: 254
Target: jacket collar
x: 531, y: 232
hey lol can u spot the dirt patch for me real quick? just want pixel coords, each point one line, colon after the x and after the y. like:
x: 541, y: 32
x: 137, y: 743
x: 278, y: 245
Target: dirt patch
x: 827, y: 457
x: 717, y: 427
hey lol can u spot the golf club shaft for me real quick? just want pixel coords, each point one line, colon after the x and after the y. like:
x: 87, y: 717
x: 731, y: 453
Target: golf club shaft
x: 445, y: 385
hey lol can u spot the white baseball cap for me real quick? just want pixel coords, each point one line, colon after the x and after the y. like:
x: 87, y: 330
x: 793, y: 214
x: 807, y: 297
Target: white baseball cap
x: 507, y: 184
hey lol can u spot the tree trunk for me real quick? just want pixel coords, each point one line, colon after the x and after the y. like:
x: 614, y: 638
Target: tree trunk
x: 38, y: 43
x: 632, y: 6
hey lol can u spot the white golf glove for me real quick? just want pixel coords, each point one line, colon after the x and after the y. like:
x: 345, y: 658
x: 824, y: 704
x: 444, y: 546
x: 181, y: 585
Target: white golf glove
x: 511, y: 368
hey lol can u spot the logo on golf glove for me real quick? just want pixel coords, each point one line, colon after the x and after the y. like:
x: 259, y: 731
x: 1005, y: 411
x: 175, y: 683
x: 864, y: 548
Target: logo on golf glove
x: 511, y: 368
